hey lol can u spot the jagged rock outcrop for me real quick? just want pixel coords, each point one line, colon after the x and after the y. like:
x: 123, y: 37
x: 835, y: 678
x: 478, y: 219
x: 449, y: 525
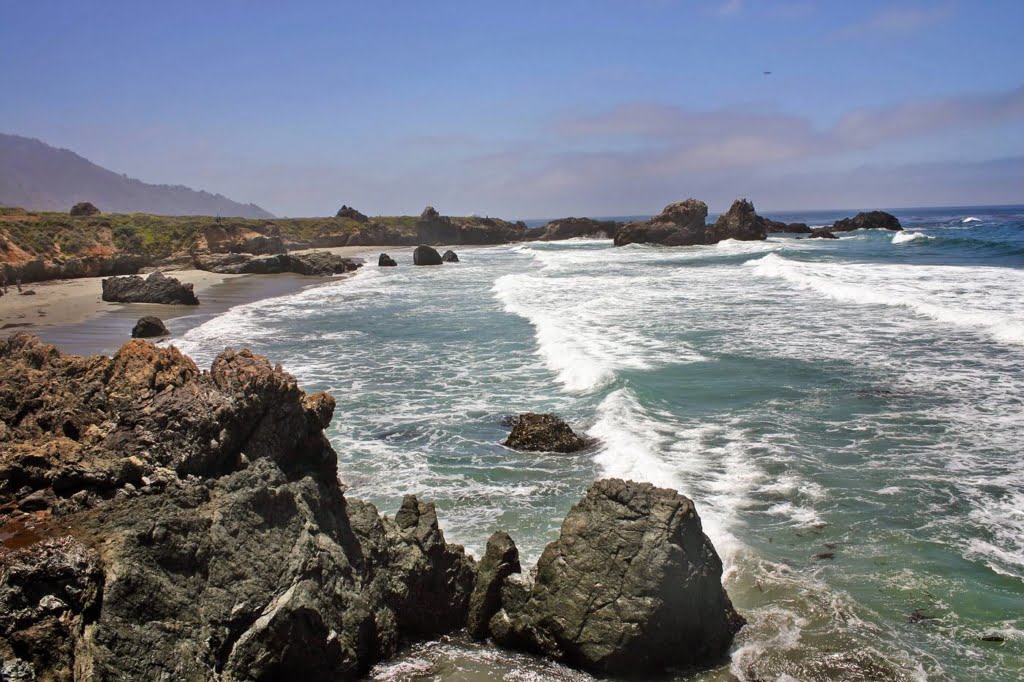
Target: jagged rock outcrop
x: 349, y: 212
x: 632, y: 586
x: 313, y: 264
x: 205, y: 508
x: 740, y: 222
x: 386, y: 261
x: 149, y: 327
x: 39, y: 270
x: 237, y: 237
x: 426, y: 255
x: 156, y: 288
x: 533, y: 432
x: 868, y: 220
x: 573, y: 228
x: 501, y: 559
x: 679, y: 224
x: 429, y: 213
x: 83, y: 208
x: 821, y: 233
x: 449, y: 256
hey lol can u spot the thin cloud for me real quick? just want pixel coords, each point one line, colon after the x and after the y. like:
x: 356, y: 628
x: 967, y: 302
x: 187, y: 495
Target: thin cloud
x: 896, y: 20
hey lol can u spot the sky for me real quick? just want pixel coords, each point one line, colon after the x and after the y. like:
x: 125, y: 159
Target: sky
x: 531, y: 109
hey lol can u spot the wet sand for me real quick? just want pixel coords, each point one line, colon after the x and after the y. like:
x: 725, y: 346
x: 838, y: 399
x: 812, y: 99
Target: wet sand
x: 72, y: 315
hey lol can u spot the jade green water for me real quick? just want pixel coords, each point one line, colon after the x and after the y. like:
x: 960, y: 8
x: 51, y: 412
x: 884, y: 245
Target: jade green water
x: 847, y: 416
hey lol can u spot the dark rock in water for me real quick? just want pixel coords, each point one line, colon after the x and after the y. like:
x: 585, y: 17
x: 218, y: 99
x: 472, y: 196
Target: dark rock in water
x: 774, y: 226
x: 543, y: 433
x: 386, y: 261
x: 449, y: 257
x: 48, y: 592
x: 349, y: 212
x: 631, y: 587
x: 821, y: 233
x: 919, y: 616
x: 993, y: 638
x: 501, y: 560
x: 149, y: 326
x: 27, y: 292
x: 574, y: 228
x: 825, y: 556
x: 426, y: 255
x: 83, y: 208
x: 429, y: 213
x: 868, y: 220
x: 313, y: 264
x: 739, y: 222
x: 157, y: 288
x: 679, y: 224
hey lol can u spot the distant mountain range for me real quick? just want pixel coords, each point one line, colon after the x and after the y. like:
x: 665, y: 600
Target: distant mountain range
x: 36, y: 176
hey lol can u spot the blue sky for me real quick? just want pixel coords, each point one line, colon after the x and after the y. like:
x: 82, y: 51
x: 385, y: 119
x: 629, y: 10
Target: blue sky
x: 531, y: 109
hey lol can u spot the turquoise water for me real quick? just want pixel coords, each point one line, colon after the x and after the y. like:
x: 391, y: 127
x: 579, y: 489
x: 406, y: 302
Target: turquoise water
x: 846, y: 414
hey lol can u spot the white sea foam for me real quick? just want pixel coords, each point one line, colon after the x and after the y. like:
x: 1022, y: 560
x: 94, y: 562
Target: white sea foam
x: 906, y: 237
x: 971, y: 219
x: 980, y: 299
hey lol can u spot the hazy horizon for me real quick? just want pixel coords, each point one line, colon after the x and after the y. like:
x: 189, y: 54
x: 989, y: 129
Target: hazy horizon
x: 584, y: 108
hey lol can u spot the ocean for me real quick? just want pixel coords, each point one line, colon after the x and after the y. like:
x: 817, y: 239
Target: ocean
x: 846, y: 415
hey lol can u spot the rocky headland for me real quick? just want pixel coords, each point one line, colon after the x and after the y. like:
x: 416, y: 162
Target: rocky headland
x: 162, y: 522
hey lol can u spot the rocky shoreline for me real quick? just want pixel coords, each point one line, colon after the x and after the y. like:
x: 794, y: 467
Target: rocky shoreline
x: 159, y: 521
x: 36, y: 247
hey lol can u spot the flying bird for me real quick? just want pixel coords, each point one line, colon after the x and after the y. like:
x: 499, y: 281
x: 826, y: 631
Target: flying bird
x: 767, y: 73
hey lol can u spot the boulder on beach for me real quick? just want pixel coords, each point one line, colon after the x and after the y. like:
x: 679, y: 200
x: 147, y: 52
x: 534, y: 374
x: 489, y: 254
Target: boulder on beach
x: 868, y: 220
x: 449, y: 257
x: 821, y: 233
x: 148, y: 327
x: 632, y: 586
x: 678, y: 224
x: 386, y: 261
x: 156, y: 288
x: 533, y: 432
x: 349, y: 212
x: 740, y: 222
x: 83, y: 208
x: 426, y: 255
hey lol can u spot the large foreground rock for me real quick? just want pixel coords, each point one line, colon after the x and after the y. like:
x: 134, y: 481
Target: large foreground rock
x: 533, y: 432
x: 206, y: 511
x: 631, y: 587
x: 426, y: 255
x: 156, y: 288
x: 868, y: 220
x: 679, y: 224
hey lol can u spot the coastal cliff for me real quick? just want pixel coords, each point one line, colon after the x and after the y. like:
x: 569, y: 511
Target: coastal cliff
x: 159, y: 521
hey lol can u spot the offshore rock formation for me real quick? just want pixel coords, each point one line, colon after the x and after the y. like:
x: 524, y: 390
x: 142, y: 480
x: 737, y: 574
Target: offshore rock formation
x: 543, y: 433
x: 868, y: 220
x: 157, y: 288
x: 426, y: 255
x: 739, y: 222
x: 572, y: 228
x: 386, y: 261
x: 83, y: 208
x: 190, y: 525
x: 148, y: 327
x: 773, y: 226
x: 631, y: 586
x: 449, y: 256
x: 313, y: 264
x: 821, y: 233
x: 679, y: 224
x: 682, y: 224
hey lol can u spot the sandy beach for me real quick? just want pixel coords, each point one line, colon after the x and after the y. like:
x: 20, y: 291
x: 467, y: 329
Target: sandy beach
x: 72, y: 315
